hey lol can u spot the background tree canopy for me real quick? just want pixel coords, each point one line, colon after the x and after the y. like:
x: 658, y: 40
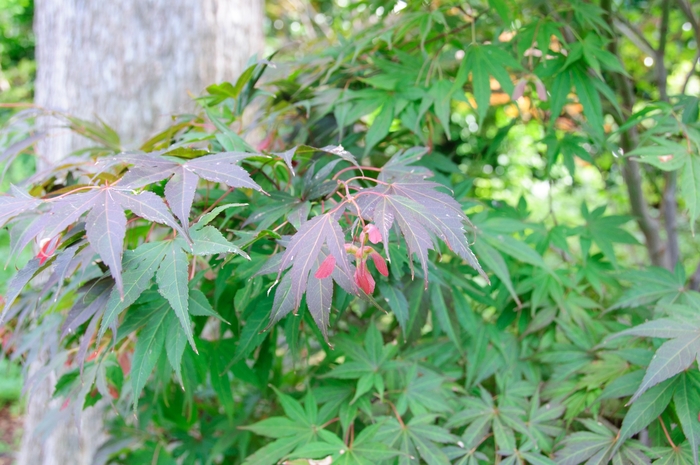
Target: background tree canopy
x: 418, y: 232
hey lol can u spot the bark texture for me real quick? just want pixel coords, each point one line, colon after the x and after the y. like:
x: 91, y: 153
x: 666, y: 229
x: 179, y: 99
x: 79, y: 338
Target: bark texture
x: 133, y: 64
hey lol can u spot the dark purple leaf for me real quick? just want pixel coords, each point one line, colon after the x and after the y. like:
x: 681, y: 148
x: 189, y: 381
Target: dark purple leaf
x: 18, y: 146
x: 284, y: 301
x: 85, y: 340
x: 83, y: 309
x: 13, y: 205
x: 399, y: 167
x: 141, y: 176
x: 339, y: 151
x: 383, y: 217
x: 305, y: 247
x: 23, y: 232
x: 106, y: 228
x: 299, y: 214
x: 149, y: 206
x: 219, y: 168
x: 62, y: 264
x: 422, y: 214
x: 418, y: 240
x: 319, y: 295
x: 10, y: 153
x: 287, y: 158
x: 179, y: 192
x: 272, y: 265
x: 227, y: 157
x: 69, y: 209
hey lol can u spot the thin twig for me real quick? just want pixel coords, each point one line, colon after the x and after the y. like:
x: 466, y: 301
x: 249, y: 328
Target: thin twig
x: 668, y: 436
x: 634, y: 35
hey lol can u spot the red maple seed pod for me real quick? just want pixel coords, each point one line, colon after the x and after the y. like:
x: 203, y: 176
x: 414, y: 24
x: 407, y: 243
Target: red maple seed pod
x: 364, y: 278
x: 113, y: 392
x: 266, y: 143
x: 326, y: 268
x: 541, y: 90
x: 124, y: 362
x: 373, y: 232
x: 380, y: 263
x: 47, y: 247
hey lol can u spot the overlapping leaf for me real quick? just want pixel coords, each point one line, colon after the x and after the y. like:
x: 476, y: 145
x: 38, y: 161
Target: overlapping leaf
x: 674, y: 356
x: 484, y: 62
x: 599, y: 445
x: 303, y: 255
x: 180, y: 189
x: 168, y: 261
x: 420, y: 437
x: 106, y: 222
x: 16, y: 203
x: 483, y: 415
x: 422, y: 214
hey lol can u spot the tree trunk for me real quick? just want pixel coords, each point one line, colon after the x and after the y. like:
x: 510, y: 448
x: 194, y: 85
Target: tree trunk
x: 133, y: 64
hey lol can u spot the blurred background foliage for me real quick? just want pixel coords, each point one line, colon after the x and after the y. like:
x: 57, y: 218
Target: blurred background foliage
x: 17, y: 67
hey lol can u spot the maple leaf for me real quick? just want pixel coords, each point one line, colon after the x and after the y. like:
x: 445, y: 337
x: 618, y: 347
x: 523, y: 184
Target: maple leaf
x: 168, y: 262
x: 105, y: 224
x: 180, y: 189
x: 306, y: 256
x: 422, y: 214
x: 16, y: 203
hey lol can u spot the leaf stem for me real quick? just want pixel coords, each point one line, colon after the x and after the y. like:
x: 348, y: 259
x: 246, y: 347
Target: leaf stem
x: 329, y: 422
x: 51, y: 199
x: 352, y: 168
x: 396, y: 413
x: 365, y: 178
x: 211, y: 207
x: 668, y: 436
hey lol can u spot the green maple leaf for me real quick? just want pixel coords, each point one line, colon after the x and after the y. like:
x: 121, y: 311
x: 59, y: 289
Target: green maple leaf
x: 366, y: 364
x: 417, y: 438
x: 604, y: 231
x: 484, y: 416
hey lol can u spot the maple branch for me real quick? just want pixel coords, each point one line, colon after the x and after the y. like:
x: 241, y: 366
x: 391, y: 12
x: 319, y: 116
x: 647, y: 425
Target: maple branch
x: 695, y: 279
x: 668, y: 199
x: 691, y: 71
x: 629, y: 139
x: 661, y: 71
x: 634, y: 35
x: 695, y: 24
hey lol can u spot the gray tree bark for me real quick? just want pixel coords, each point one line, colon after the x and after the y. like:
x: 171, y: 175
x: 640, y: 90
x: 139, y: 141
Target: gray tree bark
x: 132, y: 63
